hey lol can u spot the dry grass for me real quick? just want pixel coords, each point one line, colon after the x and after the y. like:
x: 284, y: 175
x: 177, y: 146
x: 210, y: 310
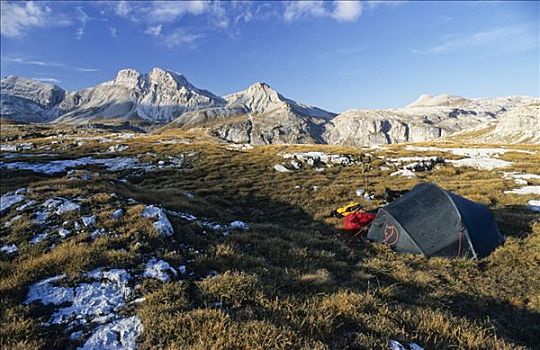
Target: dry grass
x: 294, y: 280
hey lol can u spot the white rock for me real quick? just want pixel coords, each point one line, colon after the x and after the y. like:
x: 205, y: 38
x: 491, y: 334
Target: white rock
x: 525, y: 190
x: 280, y: 168
x: 89, y: 220
x: 404, y: 172
x: 98, y: 232
x: 40, y: 217
x: 118, y: 148
x: 46, y: 293
x: 8, y: 249
x: 534, y: 205
x: 481, y: 163
x: 162, y: 223
x: 158, y: 269
x: 87, y: 302
x: 521, y: 182
x: 38, y: 238
x: 26, y: 205
x: 118, y: 335
x: 117, y: 214
x: 12, y: 220
x: 395, y: 345
x: 60, y: 205
x: 239, y: 225
x: 7, y: 201
x: 64, y: 232
x: 21, y: 191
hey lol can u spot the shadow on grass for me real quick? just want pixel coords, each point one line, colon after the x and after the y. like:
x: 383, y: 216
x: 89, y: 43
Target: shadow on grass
x: 299, y: 259
x: 515, y: 220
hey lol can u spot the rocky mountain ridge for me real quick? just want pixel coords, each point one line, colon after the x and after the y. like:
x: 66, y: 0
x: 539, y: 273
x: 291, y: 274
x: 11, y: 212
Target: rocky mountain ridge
x: 258, y: 114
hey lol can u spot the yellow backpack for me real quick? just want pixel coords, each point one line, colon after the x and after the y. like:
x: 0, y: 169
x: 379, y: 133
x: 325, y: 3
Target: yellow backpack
x: 347, y: 209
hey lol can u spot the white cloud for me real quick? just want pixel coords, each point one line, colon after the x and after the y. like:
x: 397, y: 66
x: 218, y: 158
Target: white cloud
x: 298, y: 9
x: 154, y: 31
x: 48, y: 80
x: 169, y: 11
x: 514, y: 38
x: 83, y: 18
x: 123, y: 8
x: 18, y: 17
x: 342, y: 10
x: 347, y: 11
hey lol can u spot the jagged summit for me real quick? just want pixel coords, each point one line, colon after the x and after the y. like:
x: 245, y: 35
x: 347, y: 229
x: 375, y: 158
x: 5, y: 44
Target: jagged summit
x: 157, y: 96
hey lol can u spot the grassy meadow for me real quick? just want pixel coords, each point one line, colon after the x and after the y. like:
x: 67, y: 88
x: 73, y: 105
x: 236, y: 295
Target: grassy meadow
x: 295, y: 279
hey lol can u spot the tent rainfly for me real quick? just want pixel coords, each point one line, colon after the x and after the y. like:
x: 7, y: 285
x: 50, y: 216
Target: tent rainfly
x: 431, y: 221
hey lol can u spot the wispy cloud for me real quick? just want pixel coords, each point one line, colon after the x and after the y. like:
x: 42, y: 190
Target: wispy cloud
x: 48, y: 80
x: 47, y: 64
x: 169, y: 11
x: 154, y: 30
x: 371, y: 4
x: 18, y: 17
x: 298, y: 9
x: 513, y: 38
x: 83, y: 18
x: 179, y: 37
x: 87, y: 70
x: 114, y: 32
x: 19, y: 60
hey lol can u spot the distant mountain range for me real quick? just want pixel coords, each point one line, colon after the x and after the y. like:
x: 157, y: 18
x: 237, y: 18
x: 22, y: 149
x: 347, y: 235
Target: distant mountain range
x: 258, y: 115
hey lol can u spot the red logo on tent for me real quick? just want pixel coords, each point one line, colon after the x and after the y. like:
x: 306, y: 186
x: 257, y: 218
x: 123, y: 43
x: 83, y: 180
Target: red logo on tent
x: 391, y: 234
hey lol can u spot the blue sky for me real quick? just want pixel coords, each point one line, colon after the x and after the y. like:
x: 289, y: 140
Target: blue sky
x: 334, y: 54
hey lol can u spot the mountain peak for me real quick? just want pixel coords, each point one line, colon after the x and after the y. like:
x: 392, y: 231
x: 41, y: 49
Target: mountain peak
x: 168, y: 77
x: 130, y: 78
x: 436, y: 101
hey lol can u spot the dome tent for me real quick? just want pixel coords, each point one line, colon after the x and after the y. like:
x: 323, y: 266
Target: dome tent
x: 431, y: 221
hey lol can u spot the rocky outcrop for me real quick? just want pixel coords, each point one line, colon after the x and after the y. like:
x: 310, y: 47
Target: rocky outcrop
x: 377, y: 127
x: 427, y: 118
x: 518, y: 125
